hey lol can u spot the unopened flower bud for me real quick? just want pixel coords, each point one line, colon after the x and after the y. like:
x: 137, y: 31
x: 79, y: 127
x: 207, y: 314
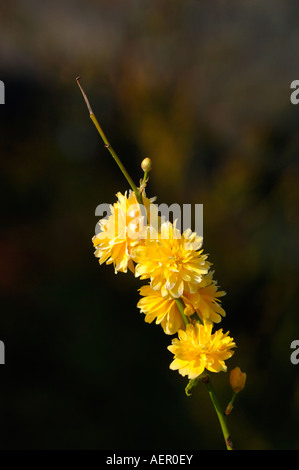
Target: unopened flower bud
x: 146, y: 165
x: 237, y: 379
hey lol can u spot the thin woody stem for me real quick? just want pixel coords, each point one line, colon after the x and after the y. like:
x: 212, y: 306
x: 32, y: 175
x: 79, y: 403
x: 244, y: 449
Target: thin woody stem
x: 108, y: 146
x: 219, y: 411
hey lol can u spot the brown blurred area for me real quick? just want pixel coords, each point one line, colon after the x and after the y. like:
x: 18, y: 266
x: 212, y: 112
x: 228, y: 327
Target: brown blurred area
x: 203, y: 89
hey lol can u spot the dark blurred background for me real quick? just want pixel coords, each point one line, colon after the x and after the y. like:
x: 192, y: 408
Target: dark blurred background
x: 203, y: 88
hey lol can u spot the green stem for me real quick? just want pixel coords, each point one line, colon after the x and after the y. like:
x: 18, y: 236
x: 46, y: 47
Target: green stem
x: 181, y: 307
x: 230, y: 405
x: 196, y: 317
x: 108, y: 146
x: 144, y: 178
x: 220, y: 413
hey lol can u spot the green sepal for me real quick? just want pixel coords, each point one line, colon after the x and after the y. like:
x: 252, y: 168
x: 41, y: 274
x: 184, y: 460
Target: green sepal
x: 191, y: 384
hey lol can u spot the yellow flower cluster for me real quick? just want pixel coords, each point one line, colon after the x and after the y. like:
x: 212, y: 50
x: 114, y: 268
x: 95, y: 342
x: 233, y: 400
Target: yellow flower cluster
x: 178, y: 273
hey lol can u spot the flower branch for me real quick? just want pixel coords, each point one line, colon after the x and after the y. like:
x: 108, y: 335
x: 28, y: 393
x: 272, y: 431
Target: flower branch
x: 181, y: 294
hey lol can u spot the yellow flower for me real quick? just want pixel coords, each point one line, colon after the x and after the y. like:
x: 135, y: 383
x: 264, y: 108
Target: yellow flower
x: 162, y: 309
x: 237, y: 379
x: 174, y: 262
x: 197, y: 349
x: 123, y: 229
x: 165, y: 310
x: 205, y: 301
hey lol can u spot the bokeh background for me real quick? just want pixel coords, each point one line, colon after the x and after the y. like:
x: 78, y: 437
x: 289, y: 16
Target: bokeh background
x: 203, y: 88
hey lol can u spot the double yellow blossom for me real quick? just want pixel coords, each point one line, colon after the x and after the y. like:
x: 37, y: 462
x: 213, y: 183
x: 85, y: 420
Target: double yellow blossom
x: 123, y: 229
x: 197, y: 349
x: 162, y: 309
x: 174, y: 262
x: 205, y: 300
